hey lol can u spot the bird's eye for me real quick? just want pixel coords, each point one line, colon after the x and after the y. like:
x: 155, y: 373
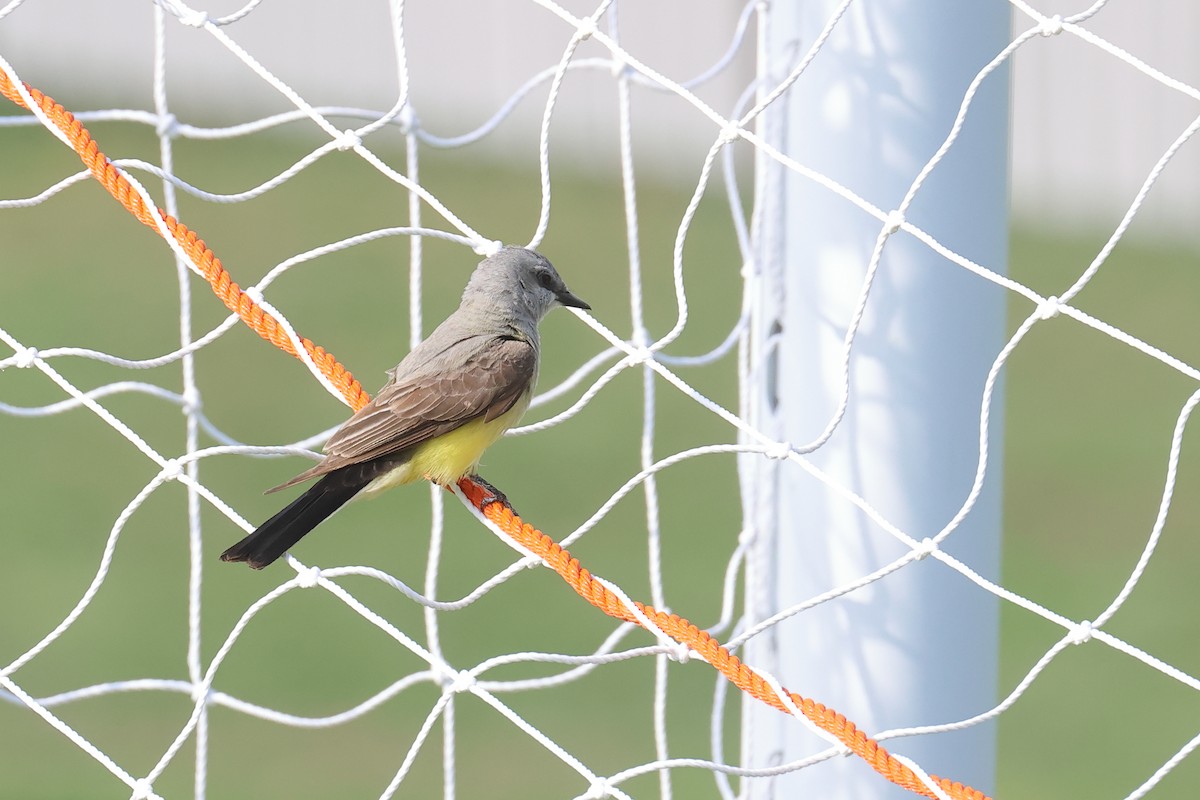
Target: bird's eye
x: 546, y: 280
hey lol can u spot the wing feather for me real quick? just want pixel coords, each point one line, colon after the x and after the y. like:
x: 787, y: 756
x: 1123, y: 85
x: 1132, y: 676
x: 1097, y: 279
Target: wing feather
x: 488, y: 380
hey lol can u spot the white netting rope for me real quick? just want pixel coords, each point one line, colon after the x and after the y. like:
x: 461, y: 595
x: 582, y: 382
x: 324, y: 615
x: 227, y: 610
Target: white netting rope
x: 637, y: 351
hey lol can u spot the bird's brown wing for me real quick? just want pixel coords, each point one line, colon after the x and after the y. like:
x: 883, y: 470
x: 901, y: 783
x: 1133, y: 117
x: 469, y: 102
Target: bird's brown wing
x: 412, y: 410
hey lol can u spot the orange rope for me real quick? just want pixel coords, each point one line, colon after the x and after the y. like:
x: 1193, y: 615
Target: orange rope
x: 500, y: 513
x: 684, y: 632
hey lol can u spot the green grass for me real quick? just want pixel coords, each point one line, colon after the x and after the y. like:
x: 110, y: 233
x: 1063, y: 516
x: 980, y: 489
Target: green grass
x: 1088, y: 426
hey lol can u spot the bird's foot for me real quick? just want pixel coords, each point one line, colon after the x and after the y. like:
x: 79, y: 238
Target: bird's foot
x: 491, y: 494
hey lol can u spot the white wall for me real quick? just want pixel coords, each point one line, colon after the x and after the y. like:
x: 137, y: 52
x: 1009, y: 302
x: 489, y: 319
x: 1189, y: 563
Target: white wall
x: 466, y: 57
x: 1087, y: 128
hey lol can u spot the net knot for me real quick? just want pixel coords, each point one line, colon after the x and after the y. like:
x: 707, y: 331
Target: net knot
x: 308, y: 577
x: 194, y: 18
x: 25, y: 358
x: 731, y: 133
x: 407, y: 119
x: 167, y: 126
x: 348, y: 140
x: 142, y: 789
x: 599, y: 789
x: 587, y: 29
x: 925, y: 548
x: 1049, y: 308
x: 1081, y: 633
x: 893, y: 222
x: 640, y: 354
x: 679, y: 652
x: 1051, y: 26
x: 488, y: 247
x: 171, y: 470
x: 779, y: 451
x: 191, y: 401
x: 455, y: 682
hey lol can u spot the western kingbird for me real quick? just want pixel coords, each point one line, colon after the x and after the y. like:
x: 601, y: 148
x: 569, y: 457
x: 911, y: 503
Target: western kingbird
x: 442, y: 406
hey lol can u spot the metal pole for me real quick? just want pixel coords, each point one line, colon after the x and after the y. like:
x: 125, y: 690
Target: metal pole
x: 919, y: 646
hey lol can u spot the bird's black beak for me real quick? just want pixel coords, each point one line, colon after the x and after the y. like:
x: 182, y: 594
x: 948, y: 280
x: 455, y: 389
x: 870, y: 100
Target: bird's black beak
x: 571, y: 301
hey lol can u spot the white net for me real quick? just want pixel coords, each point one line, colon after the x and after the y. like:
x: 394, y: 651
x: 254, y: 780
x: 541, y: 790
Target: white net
x: 134, y: 664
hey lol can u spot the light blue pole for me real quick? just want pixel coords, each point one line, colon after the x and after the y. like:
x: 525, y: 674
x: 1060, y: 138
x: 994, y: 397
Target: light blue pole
x: 919, y: 646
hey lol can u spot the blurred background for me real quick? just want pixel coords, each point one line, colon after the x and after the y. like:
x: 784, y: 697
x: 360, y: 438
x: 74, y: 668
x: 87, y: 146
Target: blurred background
x: 1088, y: 420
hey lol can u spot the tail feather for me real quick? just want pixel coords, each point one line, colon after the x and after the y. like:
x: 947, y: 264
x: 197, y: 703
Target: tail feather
x: 277, y: 535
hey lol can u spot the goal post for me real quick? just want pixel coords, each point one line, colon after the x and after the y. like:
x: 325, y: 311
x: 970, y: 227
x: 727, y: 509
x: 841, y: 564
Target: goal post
x: 873, y: 354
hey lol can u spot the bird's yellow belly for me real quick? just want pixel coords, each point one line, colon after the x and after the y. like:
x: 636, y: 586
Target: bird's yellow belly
x: 450, y: 456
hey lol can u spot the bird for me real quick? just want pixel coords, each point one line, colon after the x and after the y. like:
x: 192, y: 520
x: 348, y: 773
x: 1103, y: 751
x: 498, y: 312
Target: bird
x: 446, y: 402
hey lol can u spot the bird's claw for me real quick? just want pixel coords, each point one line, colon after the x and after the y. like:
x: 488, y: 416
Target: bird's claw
x: 491, y: 495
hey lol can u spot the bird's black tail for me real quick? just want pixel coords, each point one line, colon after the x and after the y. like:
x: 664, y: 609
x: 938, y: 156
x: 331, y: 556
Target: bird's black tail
x: 277, y: 535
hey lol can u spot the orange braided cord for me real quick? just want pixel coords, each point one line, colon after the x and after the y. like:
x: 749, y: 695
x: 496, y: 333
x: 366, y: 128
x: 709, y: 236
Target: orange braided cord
x: 222, y: 284
x: 500, y: 514
x: 684, y: 632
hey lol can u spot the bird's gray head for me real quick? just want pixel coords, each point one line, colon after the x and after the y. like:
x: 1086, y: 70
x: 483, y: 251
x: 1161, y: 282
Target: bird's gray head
x: 520, y: 284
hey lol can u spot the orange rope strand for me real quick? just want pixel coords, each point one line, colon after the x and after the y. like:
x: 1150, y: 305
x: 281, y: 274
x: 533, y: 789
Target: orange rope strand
x: 533, y: 540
